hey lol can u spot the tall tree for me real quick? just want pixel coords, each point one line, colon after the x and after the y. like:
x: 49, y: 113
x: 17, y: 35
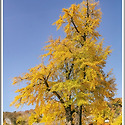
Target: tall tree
x: 73, y: 83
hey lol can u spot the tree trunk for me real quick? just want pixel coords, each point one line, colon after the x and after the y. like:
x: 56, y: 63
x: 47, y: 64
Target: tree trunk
x: 80, y: 115
x: 69, y: 119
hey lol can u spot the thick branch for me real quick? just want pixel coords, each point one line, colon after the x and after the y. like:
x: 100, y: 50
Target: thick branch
x: 84, y: 37
x: 54, y: 92
x: 74, y: 24
x: 59, y: 97
x: 87, y: 9
x: 70, y: 70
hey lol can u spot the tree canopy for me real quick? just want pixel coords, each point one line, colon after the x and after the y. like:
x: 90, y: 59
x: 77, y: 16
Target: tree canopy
x: 73, y: 85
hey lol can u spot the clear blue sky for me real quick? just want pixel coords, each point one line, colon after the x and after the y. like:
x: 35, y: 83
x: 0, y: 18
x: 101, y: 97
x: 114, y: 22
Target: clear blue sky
x: 28, y: 24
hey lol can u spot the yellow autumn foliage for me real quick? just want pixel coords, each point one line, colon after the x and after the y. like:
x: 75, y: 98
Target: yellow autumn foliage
x: 74, y: 76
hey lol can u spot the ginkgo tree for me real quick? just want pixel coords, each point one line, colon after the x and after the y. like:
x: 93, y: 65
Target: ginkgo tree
x: 73, y: 85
